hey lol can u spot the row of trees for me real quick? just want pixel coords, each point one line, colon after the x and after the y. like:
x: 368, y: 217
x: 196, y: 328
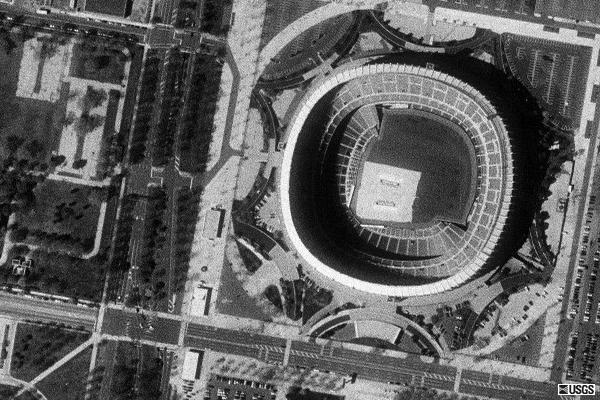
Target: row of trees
x: 213, y: 16
x: 52, y: 241
x: 172, y: 93
x: 148, y: 385
x: 188, y: 206
x: 198, y: 119
x: 16, y: 191
x: 145, y: 107
x: 186, y: 14
x: 155, y: 230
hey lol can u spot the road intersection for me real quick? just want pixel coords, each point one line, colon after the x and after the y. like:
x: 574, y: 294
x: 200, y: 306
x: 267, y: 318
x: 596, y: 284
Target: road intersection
x: 163, y: 330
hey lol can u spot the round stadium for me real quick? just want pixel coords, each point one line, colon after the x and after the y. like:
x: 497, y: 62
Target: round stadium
x: 398, y: 179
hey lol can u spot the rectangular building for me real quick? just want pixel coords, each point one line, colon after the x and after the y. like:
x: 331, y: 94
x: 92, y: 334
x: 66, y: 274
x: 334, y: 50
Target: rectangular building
x: 115, y: 8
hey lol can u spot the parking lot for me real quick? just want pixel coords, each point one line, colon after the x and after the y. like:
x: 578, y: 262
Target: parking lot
x: 583, y: 311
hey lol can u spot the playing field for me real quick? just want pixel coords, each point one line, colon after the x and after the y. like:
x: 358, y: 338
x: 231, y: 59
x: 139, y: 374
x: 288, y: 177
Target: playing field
x: 386, y: 193
x: 420, y: 142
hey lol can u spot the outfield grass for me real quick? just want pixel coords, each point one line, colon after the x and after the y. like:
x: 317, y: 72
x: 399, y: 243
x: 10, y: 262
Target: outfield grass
x: 38, y: 346
x: 69, y: 381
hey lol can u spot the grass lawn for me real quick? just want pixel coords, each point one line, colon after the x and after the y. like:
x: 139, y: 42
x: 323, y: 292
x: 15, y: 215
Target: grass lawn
x: 68, y: 276
x: 63, y: 212
x: 6, y: 391
x: 59, y: 273
x: 29, y: 128
x: 232, y: 299
x: 123, y: 371
x: 38, y: 346
x: 28, y: 396
x: 526, y: 348
x: 98, y: 62
x: 69, y: 381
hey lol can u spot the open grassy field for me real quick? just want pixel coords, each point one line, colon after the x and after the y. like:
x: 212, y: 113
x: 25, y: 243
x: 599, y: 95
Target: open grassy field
x: 68, y: 276
x: 38, y: 346
x: 59, y: 273
x: 29, y: 128
x: 99, y: 62
x: 69, y: 381
x: 6, y: 391
x: 63, y: 212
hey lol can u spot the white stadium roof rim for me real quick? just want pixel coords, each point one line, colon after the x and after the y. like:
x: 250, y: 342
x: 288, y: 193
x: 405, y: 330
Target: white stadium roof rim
x: 341, y: 76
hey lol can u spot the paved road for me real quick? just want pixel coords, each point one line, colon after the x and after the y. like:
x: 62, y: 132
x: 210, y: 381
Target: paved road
x: 262, y: 347
x: 60, y: 19
x: 144, y: 326
x: 373, y: 366
x: 322, y: 356
x: 19, y: 306
x: 591, y: 176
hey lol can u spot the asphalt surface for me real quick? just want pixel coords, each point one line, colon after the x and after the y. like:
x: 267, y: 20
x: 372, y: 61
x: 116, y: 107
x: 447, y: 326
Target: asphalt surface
x: 262, y: 347
x: 330, y: 357
x: 34, y: 309
x: 592, y: 172
x: 141, y: 326
x: 33, y: 19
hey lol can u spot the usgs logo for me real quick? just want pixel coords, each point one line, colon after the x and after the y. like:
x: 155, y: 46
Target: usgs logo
x: 584, y: 389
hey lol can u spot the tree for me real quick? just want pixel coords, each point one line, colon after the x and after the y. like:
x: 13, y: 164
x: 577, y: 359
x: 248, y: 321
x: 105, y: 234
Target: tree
x: 57, y: 160
x: 87, y: 123
x: 78, y: 164
x: 13, y: 143
x: 20, y: 234
x: 34, y: 148
x: 93, y: 98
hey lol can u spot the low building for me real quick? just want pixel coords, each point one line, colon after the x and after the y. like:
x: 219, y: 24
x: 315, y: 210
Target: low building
x: 115, y: 8
x: 201, y: 301
x: 192, y: 364
x: 213, y: 224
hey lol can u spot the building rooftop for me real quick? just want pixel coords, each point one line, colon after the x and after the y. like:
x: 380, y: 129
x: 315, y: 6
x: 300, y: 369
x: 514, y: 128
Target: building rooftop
x: 117, y: 8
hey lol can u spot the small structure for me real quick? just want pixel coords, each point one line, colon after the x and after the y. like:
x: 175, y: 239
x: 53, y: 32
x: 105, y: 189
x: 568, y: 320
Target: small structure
x: 192, y: 364
x: 213, y: 224
x: 201, y: 301
x: 21, y: 267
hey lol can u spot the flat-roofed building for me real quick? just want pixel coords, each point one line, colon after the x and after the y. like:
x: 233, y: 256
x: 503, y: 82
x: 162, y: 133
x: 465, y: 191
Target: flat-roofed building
x: 192, y: 363
x: 201, y: 301
x: 116, y: 8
